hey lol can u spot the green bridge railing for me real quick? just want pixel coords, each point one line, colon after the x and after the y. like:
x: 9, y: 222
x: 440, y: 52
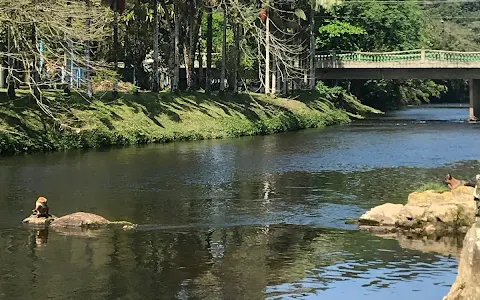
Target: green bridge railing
x: 399, y: 56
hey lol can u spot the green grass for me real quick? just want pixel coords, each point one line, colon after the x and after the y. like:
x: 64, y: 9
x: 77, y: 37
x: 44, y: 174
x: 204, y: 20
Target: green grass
x: 435, y: 186
x: 153, y: 118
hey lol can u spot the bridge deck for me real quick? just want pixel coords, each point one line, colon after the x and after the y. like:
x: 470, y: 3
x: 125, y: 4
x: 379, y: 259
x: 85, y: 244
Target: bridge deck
x: 420, y: 64
x: 413, y: 59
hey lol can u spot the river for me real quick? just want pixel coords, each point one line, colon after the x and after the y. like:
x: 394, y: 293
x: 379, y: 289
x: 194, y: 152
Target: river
x: 247, y: 218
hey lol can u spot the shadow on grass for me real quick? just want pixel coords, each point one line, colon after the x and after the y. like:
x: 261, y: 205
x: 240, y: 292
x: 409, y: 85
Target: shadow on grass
x: 154, y: 105
x: 24, y: 117
x: 150, y: 104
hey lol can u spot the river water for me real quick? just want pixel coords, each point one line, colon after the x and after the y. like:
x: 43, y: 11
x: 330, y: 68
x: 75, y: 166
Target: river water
x: 248, y: 218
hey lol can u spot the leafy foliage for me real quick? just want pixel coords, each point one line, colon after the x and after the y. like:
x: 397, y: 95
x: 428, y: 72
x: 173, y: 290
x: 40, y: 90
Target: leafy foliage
x: 339, y: 35
x: 402, y: 25
x: 433, y: 186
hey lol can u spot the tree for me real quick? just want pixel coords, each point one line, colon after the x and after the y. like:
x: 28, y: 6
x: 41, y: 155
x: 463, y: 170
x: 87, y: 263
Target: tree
x: 42, y: 24
x: 88, y: 82
x: 156, y: 83
x: 224, y: 51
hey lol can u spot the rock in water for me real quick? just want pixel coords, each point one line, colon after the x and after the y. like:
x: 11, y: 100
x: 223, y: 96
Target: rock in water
x: 36, y: 221
x: 425, y: 213
x: 81, y: 220
x: 466, y: 285
x: 385, y: 214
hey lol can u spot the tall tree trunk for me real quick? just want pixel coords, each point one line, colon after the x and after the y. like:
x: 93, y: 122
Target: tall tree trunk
x: 208, y: 75
x: 236, y: 32
x: 156, y: 81
x: 176, y: 69
x: 171, y: 61
x: 200, y: 58
x: 10, y: 77
x: 87, y: 50
x: 115, y: 48
x: 267, y: 54
x: 224, y: 51
x: 312, y: 49
x: 35, y: 76
x: 279, y: 77
x: 187, y: 60
x: 274, y: 75
x: 67, y: 78
x: 285, y: 83
x: 191, y: 46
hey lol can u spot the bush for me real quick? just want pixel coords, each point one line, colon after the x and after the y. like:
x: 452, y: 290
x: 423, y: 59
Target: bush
x: 435, y: 186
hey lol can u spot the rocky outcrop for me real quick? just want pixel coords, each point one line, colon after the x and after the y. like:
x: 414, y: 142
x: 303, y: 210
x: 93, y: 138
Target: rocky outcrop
x: 80, y: 220
x: 466, y: 285
x: 426, y: 213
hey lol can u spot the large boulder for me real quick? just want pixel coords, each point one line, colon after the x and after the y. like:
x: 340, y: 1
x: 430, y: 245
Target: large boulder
x: 466, y: 285
x: 425, y: 213
x: 76, y: 222
x: 80, y: 220
x: 385, y: 214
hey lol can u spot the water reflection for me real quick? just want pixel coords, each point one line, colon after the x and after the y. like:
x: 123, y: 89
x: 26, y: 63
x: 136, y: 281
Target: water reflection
x: 39, y: 238
x: 248, y: 218
x: 241, y: 262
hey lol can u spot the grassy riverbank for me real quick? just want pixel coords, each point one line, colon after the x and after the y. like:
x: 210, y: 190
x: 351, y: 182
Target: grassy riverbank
x: 152, y: 118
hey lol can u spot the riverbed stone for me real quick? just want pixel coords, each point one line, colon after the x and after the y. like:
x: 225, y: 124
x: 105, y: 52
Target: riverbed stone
x: 425, y: 213
x: 466, y: 285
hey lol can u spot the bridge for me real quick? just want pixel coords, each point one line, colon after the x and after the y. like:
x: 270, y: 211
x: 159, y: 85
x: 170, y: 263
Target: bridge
x: 411, y: 64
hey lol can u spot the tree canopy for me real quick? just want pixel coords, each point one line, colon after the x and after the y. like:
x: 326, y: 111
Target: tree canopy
x: 194, y: 44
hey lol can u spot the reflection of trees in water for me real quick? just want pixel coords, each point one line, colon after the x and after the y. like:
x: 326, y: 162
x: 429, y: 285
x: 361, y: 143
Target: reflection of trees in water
x: 228, y: 263
x: 365, y: 188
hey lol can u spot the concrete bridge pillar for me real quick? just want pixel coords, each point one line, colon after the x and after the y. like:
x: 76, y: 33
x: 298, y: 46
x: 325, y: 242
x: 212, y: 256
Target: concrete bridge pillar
x: 474, y: 99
